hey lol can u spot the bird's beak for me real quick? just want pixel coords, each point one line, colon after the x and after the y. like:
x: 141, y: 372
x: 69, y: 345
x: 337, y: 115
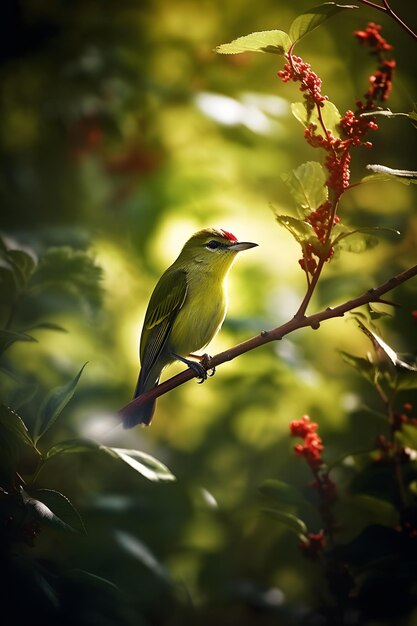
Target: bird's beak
x: 242, y: 245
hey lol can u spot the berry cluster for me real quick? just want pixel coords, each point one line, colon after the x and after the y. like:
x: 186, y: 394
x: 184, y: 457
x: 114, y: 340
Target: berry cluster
x: 353, y: 128
x: 311, y: 449
x: 297, y: 70
x: 381, y: 80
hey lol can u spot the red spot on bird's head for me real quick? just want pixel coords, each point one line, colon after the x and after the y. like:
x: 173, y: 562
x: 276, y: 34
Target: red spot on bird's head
x: 228, y: 235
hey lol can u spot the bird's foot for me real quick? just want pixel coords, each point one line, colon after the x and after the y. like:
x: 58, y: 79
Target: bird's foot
x: 205, y: 361
x: 200, y: 367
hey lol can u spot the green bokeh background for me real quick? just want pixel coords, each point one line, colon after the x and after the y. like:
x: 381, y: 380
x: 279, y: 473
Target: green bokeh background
x: 122, y: 132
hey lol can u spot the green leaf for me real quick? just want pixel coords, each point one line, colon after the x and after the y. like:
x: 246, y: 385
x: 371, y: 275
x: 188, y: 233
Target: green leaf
x: 306, y: 22
x: 275, y: 41
x: 72, y: 446
x: 145, y: 464
x: 48, y: 326
x: 14, y: 425
x: 363, y: 366
x: 8, y: 337
x: 407, y: 436
x: 290, y: 521
x: 70, y: 271
x: 141, y: 462
x: 141, y: 552
x: 23, y: 263
x: 281, y: 494
x: 383, y: 173
x: 55, y: 509
x: 301, y: 231
x: 360, y: 239
x: 377, y: 509
x: 412, y: 116
x: 54, y: 404
x: 307, y: 185
x: 329, y: 115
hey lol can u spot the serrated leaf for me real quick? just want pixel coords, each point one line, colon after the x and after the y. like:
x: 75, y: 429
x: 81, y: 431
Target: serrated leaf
x: 145, y: 464
x: 55, y: 509
x: 383, y: 173
x: 301, y: 231
x: 306, y: 22
x: 281, y: 494
x: 329, y: 114
x: 54, y: 404
x: 275, y: 41
x: 290, y: 521
x: 307, y: 185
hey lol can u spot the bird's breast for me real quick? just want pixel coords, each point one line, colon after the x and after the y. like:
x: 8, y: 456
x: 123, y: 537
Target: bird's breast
x: 202, y: 314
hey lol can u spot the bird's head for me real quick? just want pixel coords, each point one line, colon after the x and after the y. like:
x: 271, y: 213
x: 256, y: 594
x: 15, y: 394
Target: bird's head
x: 214, y: 248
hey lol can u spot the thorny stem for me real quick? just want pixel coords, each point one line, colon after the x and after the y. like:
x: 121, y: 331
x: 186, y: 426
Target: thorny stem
x: 298, y: 321
x: 387, y: 9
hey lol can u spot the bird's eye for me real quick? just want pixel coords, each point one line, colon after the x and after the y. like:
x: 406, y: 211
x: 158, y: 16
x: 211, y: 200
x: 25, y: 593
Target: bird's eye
x: 213, y: 244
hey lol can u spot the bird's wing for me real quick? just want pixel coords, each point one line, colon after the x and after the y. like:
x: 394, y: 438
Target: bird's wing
x: 167, y: 299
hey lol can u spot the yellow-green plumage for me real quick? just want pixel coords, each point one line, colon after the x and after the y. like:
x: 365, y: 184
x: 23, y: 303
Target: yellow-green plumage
x: 186, y: 309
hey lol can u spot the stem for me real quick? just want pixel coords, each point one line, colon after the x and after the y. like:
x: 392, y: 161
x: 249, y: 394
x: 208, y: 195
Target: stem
x: 387, y: 9
x: 297, y: 322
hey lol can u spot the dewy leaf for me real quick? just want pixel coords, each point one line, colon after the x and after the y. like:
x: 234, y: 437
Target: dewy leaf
x: 143, y: 463
x: 54, y: 508
x: 275, y: 41
x: 329, y: 114
x: 301, y: 231
x: 307, y: 185
x: 383, y: 173
x: 54, y: 404
x: 306, y: 22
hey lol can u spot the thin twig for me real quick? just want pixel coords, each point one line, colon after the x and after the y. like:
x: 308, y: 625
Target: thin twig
x: 387, y: 9
x: 297, y: 322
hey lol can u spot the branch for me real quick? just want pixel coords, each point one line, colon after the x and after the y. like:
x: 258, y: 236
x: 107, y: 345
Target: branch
x: 387, y: 9
x: 297, y: 322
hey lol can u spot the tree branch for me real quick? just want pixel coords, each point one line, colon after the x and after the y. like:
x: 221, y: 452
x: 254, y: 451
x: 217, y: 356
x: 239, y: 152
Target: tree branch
x: 297, y: 322
x: 387, y: 9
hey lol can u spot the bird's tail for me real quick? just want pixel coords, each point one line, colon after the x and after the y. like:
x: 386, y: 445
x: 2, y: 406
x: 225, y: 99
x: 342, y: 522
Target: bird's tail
x: 141, y: 414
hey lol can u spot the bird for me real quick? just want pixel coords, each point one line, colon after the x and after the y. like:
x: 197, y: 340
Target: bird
x: 186, y: 310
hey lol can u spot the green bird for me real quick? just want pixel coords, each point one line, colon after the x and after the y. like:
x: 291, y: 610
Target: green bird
x: 185, y: 312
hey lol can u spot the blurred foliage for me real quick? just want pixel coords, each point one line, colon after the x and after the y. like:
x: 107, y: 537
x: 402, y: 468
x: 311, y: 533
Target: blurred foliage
x: 121, y: 133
